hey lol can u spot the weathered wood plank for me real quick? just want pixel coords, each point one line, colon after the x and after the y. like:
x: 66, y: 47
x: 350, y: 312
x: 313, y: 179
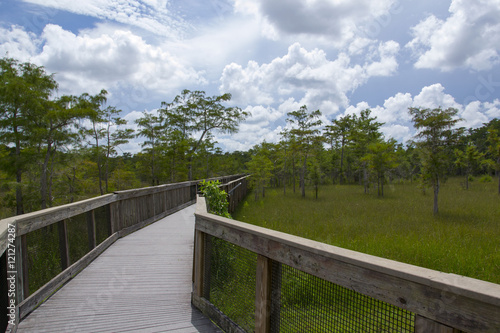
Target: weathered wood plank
x: 3, y: 232
x: 464, y: 303
x: 37, y: 220
x: 424, y: 325
x: 91, y: 229
x: 134, y: 193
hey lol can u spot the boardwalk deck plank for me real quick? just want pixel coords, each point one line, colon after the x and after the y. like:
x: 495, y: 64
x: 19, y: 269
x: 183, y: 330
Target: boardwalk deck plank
x: 142, y: 283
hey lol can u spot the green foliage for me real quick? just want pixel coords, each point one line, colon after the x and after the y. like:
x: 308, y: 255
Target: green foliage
x: 381, y: 158
x: 216, y: 198
x: 468, y: 160
x: 193, y: 114
x: 260, y: 167
x: 306, y: 134
x: 485, y: 179
x: 435, y: 137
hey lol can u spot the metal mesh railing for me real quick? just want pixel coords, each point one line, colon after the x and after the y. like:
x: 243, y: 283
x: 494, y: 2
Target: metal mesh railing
x: 229, y: 281
x: 300, y: 302
x: 304, y: 303
x: 78, y: 238
x: 102, y: 224
x: 44, y: 259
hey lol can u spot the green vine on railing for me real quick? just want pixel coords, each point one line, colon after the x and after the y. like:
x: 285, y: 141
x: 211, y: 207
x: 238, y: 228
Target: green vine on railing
x: 216, y: 198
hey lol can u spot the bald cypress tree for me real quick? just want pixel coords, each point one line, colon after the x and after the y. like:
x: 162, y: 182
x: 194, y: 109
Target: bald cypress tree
x: 436, y: 133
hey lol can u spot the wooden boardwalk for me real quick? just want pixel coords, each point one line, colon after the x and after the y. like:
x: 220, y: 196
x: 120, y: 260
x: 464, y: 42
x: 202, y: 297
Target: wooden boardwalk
x: 142, y: 283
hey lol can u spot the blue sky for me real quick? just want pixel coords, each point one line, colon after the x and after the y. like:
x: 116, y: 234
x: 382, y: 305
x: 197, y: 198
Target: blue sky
x: 339, y: 56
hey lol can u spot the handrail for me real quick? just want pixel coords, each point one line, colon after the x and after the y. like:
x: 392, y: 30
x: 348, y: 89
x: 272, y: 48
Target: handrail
x: 127, y: 211
x: 439, y: 300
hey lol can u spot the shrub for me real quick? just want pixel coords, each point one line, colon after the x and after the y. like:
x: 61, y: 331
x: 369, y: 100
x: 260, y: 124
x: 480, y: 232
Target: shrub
x: 216, y: 198
x: 486, y: 179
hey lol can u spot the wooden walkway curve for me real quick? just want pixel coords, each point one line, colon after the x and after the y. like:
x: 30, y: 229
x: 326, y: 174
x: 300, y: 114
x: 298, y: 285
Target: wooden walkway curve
x: 142, y: 283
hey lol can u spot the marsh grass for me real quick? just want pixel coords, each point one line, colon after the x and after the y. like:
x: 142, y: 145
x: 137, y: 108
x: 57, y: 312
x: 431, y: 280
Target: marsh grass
x: 464, y: 238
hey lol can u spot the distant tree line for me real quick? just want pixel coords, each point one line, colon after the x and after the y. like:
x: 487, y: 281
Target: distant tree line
x: 353, y: 150
x: 56, y: 150
x: 59, y: 149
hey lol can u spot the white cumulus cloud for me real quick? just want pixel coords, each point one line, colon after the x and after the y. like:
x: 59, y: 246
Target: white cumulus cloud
x: 121, y: 59
x: 308, y: 76
x: 17, y: 43
x: 469, y: 37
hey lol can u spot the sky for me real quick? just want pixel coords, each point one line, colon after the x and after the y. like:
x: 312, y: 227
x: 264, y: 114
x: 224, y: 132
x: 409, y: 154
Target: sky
x: 273, y: 56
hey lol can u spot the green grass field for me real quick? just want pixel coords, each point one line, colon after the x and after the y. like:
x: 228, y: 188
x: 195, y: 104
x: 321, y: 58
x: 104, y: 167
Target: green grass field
x: 463, y: 239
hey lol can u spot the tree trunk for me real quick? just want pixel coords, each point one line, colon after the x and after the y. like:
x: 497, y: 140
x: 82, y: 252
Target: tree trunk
x: 19, y: 193
x: 153, y: 171
x: 436, y: 193
x: 51, y: 177
x: 341, y: 163
x: 43, y: 177
x: 365, y: 178
x: 498, y: 174
x: 190, y: 168
x: 378, y: 185
x: 19, y: 173
x: 106, y: 170
x: 284, y: 177
x: 382, y: 184
x: 303, y: 177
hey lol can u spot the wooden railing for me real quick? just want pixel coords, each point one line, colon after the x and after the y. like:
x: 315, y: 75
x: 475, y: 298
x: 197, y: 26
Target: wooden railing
x: 440, y: 302
x: 125, y: 212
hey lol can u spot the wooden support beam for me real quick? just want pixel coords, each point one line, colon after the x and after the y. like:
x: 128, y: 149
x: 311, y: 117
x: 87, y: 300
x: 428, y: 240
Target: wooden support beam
x: 4, y: 300
x: 63, y: 244
x: 22, y: 286
x: 263, y: 295
x: 91, y: 230
x: 199, y: 262
x: 114, y: 217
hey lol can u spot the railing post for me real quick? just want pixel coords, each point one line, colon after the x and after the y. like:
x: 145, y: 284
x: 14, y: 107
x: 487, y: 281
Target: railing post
x: 22, y: 268
x: 199, y: 262
x: 425, y: 325
x: 91, y: 229
x: 113, y: 217
x: 63, y: 243
x: 263, y: 295
x: 4, y: 300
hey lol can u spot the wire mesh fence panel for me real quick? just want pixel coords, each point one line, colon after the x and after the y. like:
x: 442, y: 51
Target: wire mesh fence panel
x: 44, y: 259
x: 230, y: 281
x: 304, y: 303
x: 101, y: 224
x: 77, y: 237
